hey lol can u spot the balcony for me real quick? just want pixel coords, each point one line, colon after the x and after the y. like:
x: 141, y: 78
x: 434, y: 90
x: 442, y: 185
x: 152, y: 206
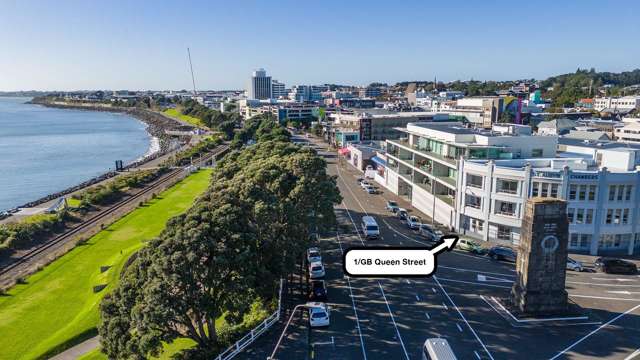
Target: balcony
x: 447, y: 159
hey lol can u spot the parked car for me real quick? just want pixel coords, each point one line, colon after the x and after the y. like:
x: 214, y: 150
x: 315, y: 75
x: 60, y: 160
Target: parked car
x: 615, y: 266
x: 430, y: 233
x: 360, y: 180
x: 413, y: 222
x: 470, y: 246
x: 392, y: 206
x: 364, y: 184
x: 313, y: 255
x: 503, y: 253
x: 574, y: 265
x: 402, y: 214
x: 318, y: 291
x: 369, y: 167
x: 370, y: 190
x: 318, y: 314
x: 316, y: 270
x: 437, y: 349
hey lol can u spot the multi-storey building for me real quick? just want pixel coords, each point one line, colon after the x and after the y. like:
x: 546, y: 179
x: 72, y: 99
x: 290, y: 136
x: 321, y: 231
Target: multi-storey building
x: 477, y: 182
x: 277, y: 89
x: 616, y: 104
x: 381, y: 126
x: 259, y: 85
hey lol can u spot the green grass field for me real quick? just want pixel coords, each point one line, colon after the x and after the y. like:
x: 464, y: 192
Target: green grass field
x: 58, y: 304
x: 175, y: 113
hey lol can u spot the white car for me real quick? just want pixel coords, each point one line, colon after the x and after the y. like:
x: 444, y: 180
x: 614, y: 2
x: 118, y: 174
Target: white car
x: 413, y: 222
x: 392, y: 206
x: 574, y: 265
x: 316, y: 270
x: 318, y: 314
x: 370, y: 189
x: 313, y: 255
x: 403, y: 214
x: 364, y: 184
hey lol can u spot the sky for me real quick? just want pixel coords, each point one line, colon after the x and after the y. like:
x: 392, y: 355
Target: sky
x: 140, y: 44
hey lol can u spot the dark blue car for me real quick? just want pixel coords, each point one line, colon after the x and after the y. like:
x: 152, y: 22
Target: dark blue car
x: 502, y: 253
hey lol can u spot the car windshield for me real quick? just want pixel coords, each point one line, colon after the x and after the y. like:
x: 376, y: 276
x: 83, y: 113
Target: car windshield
x: 393, y: 203
x: 372, y: 227
x: 319, y: 315
x: 316, y: 268
x: 314, y: 254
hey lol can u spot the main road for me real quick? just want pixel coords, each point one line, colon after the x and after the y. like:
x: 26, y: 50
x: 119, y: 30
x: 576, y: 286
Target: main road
x: 391, y: 318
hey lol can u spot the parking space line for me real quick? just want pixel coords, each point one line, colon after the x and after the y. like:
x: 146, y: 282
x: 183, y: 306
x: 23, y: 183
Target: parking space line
x: 633, y: 355
x: 594, y: 331
x: 435, y: 278
x: 445, y: 306
x: 417, y: 297
x: 474, y: 283
x: 427, y: 315
x: 458, y: 326
x: 477, y: 355
x: 602, y: 297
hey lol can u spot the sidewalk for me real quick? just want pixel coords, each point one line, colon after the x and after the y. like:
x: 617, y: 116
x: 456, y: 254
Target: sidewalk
x: 78, y: 350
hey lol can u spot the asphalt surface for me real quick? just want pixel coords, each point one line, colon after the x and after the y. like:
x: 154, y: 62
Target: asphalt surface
x: 391, y: 318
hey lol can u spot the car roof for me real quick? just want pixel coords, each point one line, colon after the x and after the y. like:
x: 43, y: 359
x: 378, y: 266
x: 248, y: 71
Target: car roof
x: 316, y: 263
x: 313, y: 249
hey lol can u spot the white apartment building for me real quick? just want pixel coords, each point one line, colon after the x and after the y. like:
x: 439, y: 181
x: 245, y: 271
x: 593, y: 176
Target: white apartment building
x: 259, y: 85
x: 629, y: 132
x: 277, y: 89
x: 619, y: 104
x: 477, y: 182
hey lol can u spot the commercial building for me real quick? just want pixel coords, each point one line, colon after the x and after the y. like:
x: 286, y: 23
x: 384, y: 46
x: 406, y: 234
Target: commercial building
x: 281, y: 110
x: 616, y: 104
x: 370, y: 92
x: 307, y: 93
x: 476, y: 182
x: 278, y: 90
x: 259, y: 85
x: 381, y: 126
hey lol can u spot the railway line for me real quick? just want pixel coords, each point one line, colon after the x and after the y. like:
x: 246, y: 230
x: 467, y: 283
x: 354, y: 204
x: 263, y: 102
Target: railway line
x: 22, y: 265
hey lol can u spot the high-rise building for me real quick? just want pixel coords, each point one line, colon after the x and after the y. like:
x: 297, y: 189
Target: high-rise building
x: 277, y: 89
x: 260, y: 85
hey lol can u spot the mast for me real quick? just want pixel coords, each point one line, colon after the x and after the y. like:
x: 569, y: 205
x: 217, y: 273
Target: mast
x: 193, y: 79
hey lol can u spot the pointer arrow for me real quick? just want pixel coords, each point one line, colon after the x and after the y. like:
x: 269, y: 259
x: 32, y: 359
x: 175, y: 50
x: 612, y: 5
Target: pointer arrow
x: 448, y: 242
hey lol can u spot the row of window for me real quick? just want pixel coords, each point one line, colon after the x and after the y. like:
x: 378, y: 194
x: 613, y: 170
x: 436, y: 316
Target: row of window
x: 582, y: 192
x: 620, y: 192
x: 545, y: 189
x: 580, y: 216
x: 617, y: 216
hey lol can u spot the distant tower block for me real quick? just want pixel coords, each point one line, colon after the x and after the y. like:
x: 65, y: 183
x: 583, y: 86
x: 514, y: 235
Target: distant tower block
x: 542, y: 258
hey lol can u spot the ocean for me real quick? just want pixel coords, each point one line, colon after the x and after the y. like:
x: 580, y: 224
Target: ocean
x: 46, y: 150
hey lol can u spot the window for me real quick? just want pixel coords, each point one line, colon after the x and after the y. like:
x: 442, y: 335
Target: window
x: 534, y: 189
x: 574, y: 240
x: 508, y: 186
x: 617, y: 217
x: 505, y: 208
x: 580, y: 216
x: 592, y: 192
x: 627, y: 194
x: 620, y: 192
x: 585, y: 241
x: 536, y: 153
x: 612, y: 192
x: 473, y: 201
x: 476, y: 225
x: 573, y: 189
x: 544, y: 191
x: 504, y: 232
x: 589, y: 218
x: 625, y: 216
x: 554, y: 190
x: 570, y: 213
x: 474, y: 181
x: 609, y: 218
x: 582, y: 193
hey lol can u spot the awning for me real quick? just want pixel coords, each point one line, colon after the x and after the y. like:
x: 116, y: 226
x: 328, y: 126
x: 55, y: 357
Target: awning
x: 343, y: 151
x: 379, y: 161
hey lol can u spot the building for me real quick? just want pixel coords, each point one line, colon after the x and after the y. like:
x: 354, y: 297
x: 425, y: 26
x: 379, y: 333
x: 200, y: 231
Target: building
x: 357, y: 103
x: 278, y: 90
x: 282, y: 110
x: 477, y: 182
x: 556, y: 127
x: 380, y: 126
x: 370, y: 92
x: 616, y: 104
x: 629, y: 132
x: 260, y: 86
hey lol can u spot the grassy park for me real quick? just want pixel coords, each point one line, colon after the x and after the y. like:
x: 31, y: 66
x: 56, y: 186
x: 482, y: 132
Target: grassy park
x: 175, y: 113
x: 58, y: 305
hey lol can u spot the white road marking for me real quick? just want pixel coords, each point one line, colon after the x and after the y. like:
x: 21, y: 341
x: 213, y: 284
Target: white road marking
x: 623, y: 292
x: 434, y: 290
x: 445, y: 306
x: 408, y: 282
x: 355, y: 311
x: 477, y: 355
x: 435, y: 278
x: 474, y: 283
x: 474, y: 271
x: 602, y: 297
x: 609, y: 279
x: 458, y: 326
x: 532, y: 320
x: 417, y: 297
x: 486, y: 278
x: 427, y: 315
x: 594, y: 331
x: 633, y: 355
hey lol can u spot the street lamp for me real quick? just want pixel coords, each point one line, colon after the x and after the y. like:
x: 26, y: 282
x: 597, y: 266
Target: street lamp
x: 273, y: 354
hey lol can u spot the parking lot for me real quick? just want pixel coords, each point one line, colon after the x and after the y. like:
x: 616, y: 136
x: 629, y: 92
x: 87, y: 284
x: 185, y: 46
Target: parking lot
x: 391, y: 318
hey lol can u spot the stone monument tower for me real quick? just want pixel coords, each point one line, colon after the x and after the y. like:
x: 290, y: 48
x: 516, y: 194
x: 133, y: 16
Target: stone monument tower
x: 542, y: 258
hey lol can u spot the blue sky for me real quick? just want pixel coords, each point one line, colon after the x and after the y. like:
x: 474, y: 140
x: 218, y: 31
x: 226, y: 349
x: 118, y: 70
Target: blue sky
x: 69, y: 45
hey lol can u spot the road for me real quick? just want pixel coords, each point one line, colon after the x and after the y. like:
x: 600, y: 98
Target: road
x: 391, y: 318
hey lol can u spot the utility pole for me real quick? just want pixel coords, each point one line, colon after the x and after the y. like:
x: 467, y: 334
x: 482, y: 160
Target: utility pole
x: 193, y: 79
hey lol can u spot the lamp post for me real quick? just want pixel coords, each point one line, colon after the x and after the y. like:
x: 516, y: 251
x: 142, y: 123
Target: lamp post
x: 273, y: 354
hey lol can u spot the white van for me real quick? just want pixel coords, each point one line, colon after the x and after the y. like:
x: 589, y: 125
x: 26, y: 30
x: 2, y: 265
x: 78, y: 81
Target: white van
x: 370, y: 227
x: 437, y: 349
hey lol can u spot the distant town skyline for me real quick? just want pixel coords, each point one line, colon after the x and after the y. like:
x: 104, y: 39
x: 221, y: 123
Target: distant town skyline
x: 73, y: 45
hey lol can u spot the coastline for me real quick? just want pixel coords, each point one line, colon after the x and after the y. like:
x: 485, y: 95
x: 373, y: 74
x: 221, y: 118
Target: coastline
x: 160, y: 144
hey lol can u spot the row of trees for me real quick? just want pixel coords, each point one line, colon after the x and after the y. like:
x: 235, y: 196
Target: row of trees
x: 248, y: 230
x: 224, y: 122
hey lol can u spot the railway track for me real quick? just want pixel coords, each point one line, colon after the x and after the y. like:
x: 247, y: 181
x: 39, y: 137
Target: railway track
x: 13, y: 270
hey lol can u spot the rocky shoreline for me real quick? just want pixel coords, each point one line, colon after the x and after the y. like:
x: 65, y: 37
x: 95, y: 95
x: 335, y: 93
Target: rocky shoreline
x: 157, y: 124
